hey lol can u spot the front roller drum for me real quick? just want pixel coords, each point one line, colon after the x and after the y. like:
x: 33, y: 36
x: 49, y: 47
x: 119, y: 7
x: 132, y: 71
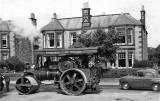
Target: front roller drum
x: 27, y: 85
x: 73, y: 82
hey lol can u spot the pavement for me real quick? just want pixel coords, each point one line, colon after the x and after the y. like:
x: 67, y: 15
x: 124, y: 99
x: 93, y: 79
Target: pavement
x: 104, y: 81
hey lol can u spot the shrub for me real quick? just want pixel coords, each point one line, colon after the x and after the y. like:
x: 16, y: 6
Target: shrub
x: 117, y: 73
x: 141, y: 64
x: 15, y: 64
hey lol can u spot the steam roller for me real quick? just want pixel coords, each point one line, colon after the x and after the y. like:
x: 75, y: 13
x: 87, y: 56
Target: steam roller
x: 73, y: 74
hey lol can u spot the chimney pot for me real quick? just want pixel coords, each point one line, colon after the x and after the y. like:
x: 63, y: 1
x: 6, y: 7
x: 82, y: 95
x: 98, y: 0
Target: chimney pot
x: 32, y: 15
x: 54, y: 16
x: 142, y: 7
x: 85, y: 5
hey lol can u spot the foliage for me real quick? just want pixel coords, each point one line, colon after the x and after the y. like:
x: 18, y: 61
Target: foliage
x: 15, y: 64
x: 154, y: 55
x: 141, y: 64
x: 117, y: 73
x: 103, y: 40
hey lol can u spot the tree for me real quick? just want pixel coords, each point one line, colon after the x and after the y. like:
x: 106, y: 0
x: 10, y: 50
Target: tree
x: 103, y: 40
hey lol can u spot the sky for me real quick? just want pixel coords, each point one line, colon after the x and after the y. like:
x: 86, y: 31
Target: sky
x: 20, y: 10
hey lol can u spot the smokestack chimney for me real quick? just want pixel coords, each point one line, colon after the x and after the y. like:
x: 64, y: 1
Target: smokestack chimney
x: 143, y: 16
x: 86, y: 22
x: 33, y: 19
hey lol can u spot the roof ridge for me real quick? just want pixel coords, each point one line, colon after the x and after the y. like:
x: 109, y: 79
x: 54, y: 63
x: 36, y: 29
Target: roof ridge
x: 93, y: 16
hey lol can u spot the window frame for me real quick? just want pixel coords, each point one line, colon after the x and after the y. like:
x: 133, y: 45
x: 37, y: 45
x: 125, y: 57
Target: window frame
x: 124, y: 34
x: 73, y: 38
x: 131, y: 35
x: 59, y: 39
x: 6, y: 39
x: 48, y: 40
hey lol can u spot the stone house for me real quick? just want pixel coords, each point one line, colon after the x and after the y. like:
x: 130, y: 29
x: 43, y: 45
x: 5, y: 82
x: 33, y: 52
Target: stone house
x: 12, y: 44
x: 61, y: 33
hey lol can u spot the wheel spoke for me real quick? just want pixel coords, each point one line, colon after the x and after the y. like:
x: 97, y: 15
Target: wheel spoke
x: 68, y: 77
x: 77, y: 86
x: 79, y: 80
x: 67, y: 83
x: 74, y: 76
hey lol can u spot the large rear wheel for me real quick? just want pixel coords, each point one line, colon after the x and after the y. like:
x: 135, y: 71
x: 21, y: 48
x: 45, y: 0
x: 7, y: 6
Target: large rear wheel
x: 73, y: 82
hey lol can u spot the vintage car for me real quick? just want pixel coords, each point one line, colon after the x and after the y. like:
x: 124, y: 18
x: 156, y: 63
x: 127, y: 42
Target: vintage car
x: 144, y: 79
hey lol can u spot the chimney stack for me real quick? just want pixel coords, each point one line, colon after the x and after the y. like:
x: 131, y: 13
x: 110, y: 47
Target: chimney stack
x: 143, y: 16
x: 33, y: 19
x: 86, y: 17
x: 54, y: 16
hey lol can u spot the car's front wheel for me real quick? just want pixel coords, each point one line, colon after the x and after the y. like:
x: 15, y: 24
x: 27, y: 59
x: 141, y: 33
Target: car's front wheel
x: 125, y: 86
x: 155, y: 87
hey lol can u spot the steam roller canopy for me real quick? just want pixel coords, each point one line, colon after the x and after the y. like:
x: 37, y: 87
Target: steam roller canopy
x: 27, y: 85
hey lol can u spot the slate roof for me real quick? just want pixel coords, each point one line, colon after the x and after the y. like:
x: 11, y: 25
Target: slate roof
x: 53, y: 25
x: 96, y: 21
x: 4, y: 26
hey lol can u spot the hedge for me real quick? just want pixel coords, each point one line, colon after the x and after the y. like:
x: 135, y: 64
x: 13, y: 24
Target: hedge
x: 117, y: 73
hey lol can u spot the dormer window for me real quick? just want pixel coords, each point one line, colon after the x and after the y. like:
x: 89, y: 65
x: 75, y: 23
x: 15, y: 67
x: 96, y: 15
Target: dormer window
x: 53, y: 40
x: 4, y: 41
x: 59, y: 40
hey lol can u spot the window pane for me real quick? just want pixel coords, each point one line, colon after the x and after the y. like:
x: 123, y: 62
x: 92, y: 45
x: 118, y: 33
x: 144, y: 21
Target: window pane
x: 130, y: 35
x: 122, y: 59
x: 51, y: 40
x: 4, y: 41
x: 59, y: 40
x: 121, y: 34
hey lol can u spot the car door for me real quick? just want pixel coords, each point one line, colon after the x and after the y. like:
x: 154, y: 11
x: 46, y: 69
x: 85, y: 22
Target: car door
x: 147, y: 81
x: 138, y: 81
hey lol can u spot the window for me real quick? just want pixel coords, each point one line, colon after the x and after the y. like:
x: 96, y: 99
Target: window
x: 50, y: 39
x: 59, y: 40
x: 121, y: 34
x: 140, y: 74
x: 73, y: 38
x: 130, y: 55
x: 122, y: 59
x: 130, y: 35
x: 54, y: 40
x: 4, y: 41
x: 4, y: 55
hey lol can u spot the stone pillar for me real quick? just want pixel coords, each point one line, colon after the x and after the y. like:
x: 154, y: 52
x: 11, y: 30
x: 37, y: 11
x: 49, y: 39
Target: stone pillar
x: 117, y: 60
x: 127, y: 65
